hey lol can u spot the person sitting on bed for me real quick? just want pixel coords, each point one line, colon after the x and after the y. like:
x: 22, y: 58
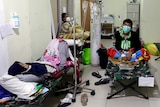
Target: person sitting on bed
x: 64, y: 17
x: 127, y: 44
x: 66, y: 31
x: 60, y: 56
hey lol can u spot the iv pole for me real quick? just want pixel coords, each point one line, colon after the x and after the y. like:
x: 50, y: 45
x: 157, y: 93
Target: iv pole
x: 84, y: 7
x: 76, y: 84
x: 74, y: 49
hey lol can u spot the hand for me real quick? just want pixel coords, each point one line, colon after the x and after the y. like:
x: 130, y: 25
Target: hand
x: 131, y: 50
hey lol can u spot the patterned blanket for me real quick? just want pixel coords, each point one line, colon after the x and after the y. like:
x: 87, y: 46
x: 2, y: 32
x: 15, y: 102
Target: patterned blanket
x: 129, y: 72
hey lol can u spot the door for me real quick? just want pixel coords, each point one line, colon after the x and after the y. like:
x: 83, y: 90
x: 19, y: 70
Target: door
x: 86, y: 25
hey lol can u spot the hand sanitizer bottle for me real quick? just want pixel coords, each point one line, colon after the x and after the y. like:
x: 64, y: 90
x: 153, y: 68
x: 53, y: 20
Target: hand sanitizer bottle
x: 15, y: 20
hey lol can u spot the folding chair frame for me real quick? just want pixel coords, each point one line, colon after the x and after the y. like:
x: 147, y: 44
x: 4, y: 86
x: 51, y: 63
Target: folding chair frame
x: 113, y: 69
x: 130, y: 85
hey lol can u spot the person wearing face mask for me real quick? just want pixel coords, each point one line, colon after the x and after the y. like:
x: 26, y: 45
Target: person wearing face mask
x: 127, y: 39
x: 65, y: 18
x: 127, y: 43
x: 66, y: 30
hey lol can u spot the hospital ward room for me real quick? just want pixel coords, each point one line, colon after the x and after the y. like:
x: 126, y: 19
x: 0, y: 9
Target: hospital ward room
x: 79, y: 53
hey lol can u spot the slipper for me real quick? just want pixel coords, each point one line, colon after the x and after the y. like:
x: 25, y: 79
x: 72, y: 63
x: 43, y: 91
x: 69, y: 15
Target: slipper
x: 96, y: 74
x: 64, y: 105
x: 102, y: 81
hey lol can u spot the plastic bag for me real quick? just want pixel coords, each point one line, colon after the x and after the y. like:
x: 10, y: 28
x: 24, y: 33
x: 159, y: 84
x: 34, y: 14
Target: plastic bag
x: 152, y: 48
x: 86, y: 56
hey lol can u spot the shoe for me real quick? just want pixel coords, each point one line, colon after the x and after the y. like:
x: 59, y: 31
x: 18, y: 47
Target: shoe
x: 64, y: 104
x: 66, y: 101
x: 69, y: 95
x: 96, y: 74
x: 102, y: 81
x: 84, y: 99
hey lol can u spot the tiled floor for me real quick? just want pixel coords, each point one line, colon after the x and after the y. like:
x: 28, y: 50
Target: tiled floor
x: 102, y: 91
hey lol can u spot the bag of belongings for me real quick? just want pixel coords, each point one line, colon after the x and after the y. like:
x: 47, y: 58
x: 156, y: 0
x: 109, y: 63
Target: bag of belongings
x: 152, y: 48
x: 86, y: 56
x: 103, y: 57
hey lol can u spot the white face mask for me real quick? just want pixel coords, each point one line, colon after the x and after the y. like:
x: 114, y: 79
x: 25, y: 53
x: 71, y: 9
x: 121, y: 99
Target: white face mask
x: 68, y: 19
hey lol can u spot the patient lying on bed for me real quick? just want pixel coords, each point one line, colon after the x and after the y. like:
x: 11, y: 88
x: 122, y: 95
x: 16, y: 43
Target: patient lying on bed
x: 31, y: 72
x: 23, y: 79
x: 55, y: 58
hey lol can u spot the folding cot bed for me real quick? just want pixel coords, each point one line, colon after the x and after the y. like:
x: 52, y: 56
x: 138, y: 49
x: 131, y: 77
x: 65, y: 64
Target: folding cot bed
x: 41, y: 90
x: 121, y: 72
x: 37, y: 98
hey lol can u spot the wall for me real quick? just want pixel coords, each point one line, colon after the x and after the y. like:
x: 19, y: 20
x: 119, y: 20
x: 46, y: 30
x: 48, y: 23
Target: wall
x: 39, y: 26
x: 3, y: 44
x: 77, y: 11
x: 115, y: 8
x: 19, y: 46
x: 29, y: 41
x: 150, y: 20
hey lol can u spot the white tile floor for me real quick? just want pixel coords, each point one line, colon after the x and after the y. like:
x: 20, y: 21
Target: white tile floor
x: 99, y: 99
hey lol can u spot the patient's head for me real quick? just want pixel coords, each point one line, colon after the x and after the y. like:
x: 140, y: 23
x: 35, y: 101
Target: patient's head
x: 127, y: 25
x: 17, y: 68
x: 128, y: 22
x: 64, y: 16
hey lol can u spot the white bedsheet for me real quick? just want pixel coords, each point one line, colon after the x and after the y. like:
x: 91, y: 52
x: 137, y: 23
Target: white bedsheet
x: 20, y: 88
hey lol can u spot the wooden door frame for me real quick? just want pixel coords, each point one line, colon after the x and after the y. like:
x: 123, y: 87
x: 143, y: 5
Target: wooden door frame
x: 87, y: 24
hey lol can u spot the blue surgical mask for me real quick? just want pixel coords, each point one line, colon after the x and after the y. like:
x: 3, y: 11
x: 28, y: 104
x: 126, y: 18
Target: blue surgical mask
x: 126, y: 29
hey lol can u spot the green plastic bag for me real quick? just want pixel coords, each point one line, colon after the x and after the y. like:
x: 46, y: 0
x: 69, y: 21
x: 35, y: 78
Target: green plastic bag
x: 86, y: 56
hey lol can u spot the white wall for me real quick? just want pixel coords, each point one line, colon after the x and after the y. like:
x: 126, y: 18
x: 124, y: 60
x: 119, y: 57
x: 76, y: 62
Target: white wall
x: 77, y: 11
x: 3, y: 44
x: 150, y: 17
x: 116, y: 8
x: 29, y: 41
x: 19, y: 46
x: 39, y: 26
